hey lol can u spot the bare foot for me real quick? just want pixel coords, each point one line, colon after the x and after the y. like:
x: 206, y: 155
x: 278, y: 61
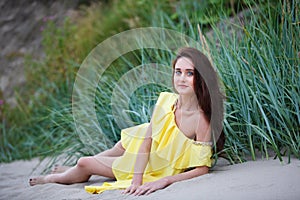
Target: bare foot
x: 59, y: 169
x: 37, y: 180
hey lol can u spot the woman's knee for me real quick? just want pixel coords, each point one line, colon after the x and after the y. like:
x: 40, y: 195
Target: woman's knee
x: 84, y: 161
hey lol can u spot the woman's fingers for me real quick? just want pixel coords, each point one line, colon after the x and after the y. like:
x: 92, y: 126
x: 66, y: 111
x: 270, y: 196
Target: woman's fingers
x: 144, y: 189
x: 150, y: 191
x: 130, y: 190
x: 126, y: 190
x: 140, y: 190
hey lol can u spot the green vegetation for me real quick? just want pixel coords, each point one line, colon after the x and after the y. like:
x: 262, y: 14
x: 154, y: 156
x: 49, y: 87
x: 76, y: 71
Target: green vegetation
x: 257, y: 58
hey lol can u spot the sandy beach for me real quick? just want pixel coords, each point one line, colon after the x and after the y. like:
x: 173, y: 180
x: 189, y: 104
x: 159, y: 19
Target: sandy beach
x: 255, y: 180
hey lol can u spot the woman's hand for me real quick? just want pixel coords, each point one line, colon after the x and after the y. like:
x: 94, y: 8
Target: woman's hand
x: 147, y: 188
x: 137, y: 181
x: 131, y: 189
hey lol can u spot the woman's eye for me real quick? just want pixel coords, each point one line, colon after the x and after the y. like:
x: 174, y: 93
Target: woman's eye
x: 178, y: 72
x: 190, y: 73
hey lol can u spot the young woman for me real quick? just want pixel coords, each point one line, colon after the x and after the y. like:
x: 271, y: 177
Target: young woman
x: 174, y: 146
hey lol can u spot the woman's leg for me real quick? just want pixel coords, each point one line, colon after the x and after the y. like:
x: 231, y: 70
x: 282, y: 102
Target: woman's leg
x: 86, y: 166
x: 116, y: 151
x: 100, y: 164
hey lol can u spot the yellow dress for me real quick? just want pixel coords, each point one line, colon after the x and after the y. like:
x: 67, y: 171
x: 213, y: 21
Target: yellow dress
x: 171, y: 151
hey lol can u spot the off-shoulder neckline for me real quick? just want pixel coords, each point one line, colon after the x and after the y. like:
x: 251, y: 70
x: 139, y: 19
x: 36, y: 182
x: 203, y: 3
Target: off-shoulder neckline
x: 173, y: 109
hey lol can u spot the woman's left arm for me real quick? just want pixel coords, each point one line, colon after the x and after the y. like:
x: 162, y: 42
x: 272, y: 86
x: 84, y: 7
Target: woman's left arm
x: 150, y: 187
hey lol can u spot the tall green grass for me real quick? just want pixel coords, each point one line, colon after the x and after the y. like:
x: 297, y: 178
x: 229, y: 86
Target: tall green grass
x: 257, y: 61
x: 260, y: 71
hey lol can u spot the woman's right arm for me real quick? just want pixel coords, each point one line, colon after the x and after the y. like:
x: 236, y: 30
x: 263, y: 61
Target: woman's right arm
x: 142, y: 158
x: 141, y: 162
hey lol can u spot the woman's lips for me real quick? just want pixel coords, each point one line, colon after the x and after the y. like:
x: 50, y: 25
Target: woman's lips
x: 182, y: 86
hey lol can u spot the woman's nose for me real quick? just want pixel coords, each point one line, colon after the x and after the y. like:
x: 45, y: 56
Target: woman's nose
x: 182, y: 77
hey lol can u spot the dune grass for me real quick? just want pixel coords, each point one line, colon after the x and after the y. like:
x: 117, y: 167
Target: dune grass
x: 261, y: 76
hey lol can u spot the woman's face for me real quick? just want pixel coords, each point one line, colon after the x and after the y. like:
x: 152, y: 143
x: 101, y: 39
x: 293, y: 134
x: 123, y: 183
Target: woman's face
x: 184, y: 76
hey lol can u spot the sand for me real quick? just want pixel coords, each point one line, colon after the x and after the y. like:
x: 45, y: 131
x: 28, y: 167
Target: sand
x: 255, y: 180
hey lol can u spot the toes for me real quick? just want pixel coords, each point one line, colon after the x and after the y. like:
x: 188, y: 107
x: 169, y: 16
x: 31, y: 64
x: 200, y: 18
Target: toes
x: 59, y: 169
x: 55, y: 169
x: 37, y: 180
x: 31, y: 182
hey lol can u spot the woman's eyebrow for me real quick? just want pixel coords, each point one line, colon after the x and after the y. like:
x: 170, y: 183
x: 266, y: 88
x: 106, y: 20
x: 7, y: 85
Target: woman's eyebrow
x: 185, y: 69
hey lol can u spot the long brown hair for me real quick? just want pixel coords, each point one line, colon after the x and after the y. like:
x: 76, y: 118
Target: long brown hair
x: 207, y: 90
